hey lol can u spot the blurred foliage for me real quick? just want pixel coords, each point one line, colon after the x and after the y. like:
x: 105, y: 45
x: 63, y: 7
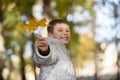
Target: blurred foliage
x: 14, y: 36
x: 86, y: 50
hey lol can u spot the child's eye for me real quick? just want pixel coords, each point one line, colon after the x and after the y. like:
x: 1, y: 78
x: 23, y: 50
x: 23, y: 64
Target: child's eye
x: 60, y: 30
x: 67, y: 30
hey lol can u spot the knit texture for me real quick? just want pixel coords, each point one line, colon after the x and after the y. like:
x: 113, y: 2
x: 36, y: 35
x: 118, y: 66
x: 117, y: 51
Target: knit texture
x: 57, y: 64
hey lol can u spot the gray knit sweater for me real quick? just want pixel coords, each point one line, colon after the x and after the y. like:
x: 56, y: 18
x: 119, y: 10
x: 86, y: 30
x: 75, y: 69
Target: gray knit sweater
x: 57, y: 64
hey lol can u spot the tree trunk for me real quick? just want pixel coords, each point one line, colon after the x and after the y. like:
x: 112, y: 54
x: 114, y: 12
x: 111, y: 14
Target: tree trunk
x: 46, y: 8
x: 1, y: 69
x: 33, y: 49
x: 22, y: 64
x: 1, y: 44
x: 1, y: 60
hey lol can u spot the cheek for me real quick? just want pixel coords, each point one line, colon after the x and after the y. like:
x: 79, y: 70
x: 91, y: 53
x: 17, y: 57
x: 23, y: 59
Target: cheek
x: 56, y: 35
x: 69, y: 35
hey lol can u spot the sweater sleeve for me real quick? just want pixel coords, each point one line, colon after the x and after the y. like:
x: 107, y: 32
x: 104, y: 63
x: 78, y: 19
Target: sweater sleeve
x: 44, y: 53
x: 51, y: 58
x: 40, y: 59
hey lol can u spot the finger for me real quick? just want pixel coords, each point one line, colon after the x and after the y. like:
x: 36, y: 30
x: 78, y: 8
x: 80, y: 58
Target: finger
x: 41, y: 39
x: 41, y: 44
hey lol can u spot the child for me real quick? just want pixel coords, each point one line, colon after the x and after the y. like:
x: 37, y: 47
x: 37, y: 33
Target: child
x: 52, y: 56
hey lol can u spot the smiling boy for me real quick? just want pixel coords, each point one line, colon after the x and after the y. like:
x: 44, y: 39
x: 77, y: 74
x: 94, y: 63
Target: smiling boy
x: 52, y: 56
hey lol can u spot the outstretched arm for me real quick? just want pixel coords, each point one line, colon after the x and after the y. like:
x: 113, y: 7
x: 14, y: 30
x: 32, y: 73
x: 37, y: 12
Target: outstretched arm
x: 46, y: 51
x: 41, y: 43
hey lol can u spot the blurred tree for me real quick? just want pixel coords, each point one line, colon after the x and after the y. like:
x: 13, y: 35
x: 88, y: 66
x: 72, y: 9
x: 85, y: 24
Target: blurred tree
x: 11, y: 12
x: 1, y: 42
x: 109, y: 10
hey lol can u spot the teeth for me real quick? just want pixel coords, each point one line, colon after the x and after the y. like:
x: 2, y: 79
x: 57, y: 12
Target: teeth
x: 64, y: 38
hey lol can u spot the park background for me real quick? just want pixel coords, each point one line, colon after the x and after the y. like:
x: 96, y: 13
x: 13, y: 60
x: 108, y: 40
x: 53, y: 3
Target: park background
x: 95, y: 43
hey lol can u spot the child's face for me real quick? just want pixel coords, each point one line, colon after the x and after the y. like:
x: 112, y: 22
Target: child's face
x: 62, y: 32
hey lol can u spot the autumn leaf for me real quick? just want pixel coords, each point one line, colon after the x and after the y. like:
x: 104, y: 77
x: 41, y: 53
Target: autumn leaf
x: 33, y: 24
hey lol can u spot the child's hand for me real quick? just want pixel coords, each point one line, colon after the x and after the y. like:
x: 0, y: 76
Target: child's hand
x: 41, y: 43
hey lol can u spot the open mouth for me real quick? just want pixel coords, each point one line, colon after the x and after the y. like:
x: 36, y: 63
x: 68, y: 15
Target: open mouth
x: 65, y: 38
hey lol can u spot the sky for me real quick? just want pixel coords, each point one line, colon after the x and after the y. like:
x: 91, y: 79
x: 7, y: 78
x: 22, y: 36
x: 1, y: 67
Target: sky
x: 107, y: 30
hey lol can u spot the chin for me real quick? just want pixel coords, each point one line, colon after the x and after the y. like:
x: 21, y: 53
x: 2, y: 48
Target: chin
x: 65, y: 43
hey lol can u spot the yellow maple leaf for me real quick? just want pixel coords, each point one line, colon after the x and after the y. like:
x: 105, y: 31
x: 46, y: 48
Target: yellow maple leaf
x: 33, y: 24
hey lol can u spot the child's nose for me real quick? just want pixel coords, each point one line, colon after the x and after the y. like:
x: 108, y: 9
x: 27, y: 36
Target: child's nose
x: 65, y: 32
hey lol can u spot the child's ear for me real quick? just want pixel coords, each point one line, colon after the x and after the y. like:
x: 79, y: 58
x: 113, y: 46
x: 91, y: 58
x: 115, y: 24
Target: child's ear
x: 50, y: 34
